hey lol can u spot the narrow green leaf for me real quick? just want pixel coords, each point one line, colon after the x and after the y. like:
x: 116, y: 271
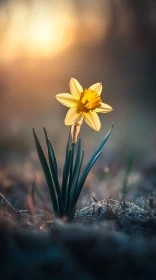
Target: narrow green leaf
x: 72, y: 213
x: 53, y: 155
x: 66, y: 170
x: 68, y: 191
x: 53, y: 167
x: 101, y: 144
x: 91, y: 162
x: 84, y: 176
x: 77, y: 160
x: 80, y: 166
x: 65, y: 186
x: 76, y: 169
x: 73, y: 194
x: 55, y: 176
x: 47, y: 173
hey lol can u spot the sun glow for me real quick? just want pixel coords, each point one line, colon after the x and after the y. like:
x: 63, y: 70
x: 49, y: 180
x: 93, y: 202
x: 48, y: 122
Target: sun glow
x: 39, y: 30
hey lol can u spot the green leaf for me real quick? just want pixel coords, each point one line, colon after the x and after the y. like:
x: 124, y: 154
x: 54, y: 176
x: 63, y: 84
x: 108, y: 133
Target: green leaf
x: 70, y: 178
x: 77, y: 160
x: 65, y: 201
x: 76, y: 169
x: 52, y: 152
x: 91, y: 162
x: 84, y: 176
x: 47, y: 173
x: 66, y: 170
x: 101, y: 144
x: 53, y: 167
x: 73, y: 194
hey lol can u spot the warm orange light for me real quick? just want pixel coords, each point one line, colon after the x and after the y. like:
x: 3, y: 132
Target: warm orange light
x: 45, y: 28
x: 41, y: 29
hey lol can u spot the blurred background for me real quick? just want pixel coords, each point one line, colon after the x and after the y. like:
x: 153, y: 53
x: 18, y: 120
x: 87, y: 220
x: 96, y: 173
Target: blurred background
x: 45, y: 43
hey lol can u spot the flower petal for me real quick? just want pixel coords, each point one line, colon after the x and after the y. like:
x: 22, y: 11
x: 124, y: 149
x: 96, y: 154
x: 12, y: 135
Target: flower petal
x: 75, y: 88
x: 105, y: 108
x: 72, y: 116
x: 92, y: 119
x: 97, y: 87
x: 66, y: 99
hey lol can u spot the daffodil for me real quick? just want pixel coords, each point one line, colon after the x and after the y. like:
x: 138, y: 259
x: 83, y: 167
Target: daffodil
x: 84, y: 104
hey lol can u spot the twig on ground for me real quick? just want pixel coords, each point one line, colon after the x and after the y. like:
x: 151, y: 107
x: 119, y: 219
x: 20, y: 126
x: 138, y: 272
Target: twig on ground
x: 8, y: 203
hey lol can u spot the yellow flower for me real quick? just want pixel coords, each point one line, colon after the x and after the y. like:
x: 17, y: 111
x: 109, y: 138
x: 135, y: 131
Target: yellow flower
x: 84, y: 104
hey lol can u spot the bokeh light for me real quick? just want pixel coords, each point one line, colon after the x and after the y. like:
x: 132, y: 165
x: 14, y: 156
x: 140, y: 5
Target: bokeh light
x: 42, y: 29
